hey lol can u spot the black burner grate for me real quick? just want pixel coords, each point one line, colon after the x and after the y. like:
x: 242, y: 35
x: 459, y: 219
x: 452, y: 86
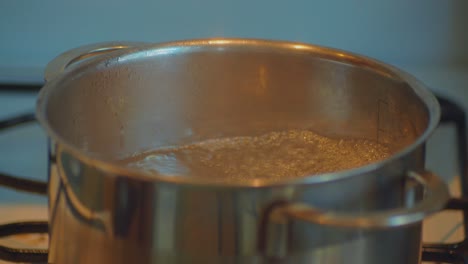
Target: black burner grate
x: 454, y: 252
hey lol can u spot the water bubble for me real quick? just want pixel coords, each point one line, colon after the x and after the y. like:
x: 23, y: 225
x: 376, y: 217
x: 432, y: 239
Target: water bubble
x: 275, y: 155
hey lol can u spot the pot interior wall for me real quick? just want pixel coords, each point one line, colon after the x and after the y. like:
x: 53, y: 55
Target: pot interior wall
x: 118, y: 106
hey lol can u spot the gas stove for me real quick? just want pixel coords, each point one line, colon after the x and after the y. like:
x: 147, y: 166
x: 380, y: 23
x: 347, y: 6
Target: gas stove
x: 23, y: 147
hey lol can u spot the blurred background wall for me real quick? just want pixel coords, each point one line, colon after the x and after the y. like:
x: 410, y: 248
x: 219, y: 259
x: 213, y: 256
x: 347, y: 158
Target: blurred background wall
x: 424, y: 33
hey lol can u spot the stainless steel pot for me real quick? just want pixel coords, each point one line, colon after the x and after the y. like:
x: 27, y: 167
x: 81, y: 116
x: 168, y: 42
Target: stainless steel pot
x: 105, y: 101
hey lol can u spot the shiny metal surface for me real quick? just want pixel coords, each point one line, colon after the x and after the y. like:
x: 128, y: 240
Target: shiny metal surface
x: 114, y: 104
x: 435, y: 200
x: 59, y: 64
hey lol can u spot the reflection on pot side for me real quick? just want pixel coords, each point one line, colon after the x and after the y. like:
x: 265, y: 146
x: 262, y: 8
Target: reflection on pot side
x: 275, y: 155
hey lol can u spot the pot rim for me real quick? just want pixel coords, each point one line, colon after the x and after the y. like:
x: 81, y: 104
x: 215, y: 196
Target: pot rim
x: 338, y: 55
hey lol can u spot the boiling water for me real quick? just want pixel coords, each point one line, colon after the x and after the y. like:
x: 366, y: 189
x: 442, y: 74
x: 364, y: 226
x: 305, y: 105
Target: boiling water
x: 274, y: 155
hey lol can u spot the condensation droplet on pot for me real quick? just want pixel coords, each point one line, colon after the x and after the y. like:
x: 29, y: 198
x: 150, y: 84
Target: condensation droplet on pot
x: 121, y: 101
x: 75, y: 168
x: 188, y: 132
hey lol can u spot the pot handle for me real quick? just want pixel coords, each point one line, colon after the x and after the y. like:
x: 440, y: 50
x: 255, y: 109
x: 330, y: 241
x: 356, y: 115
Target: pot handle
x: 58, y: 65
x: 435, y: 197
